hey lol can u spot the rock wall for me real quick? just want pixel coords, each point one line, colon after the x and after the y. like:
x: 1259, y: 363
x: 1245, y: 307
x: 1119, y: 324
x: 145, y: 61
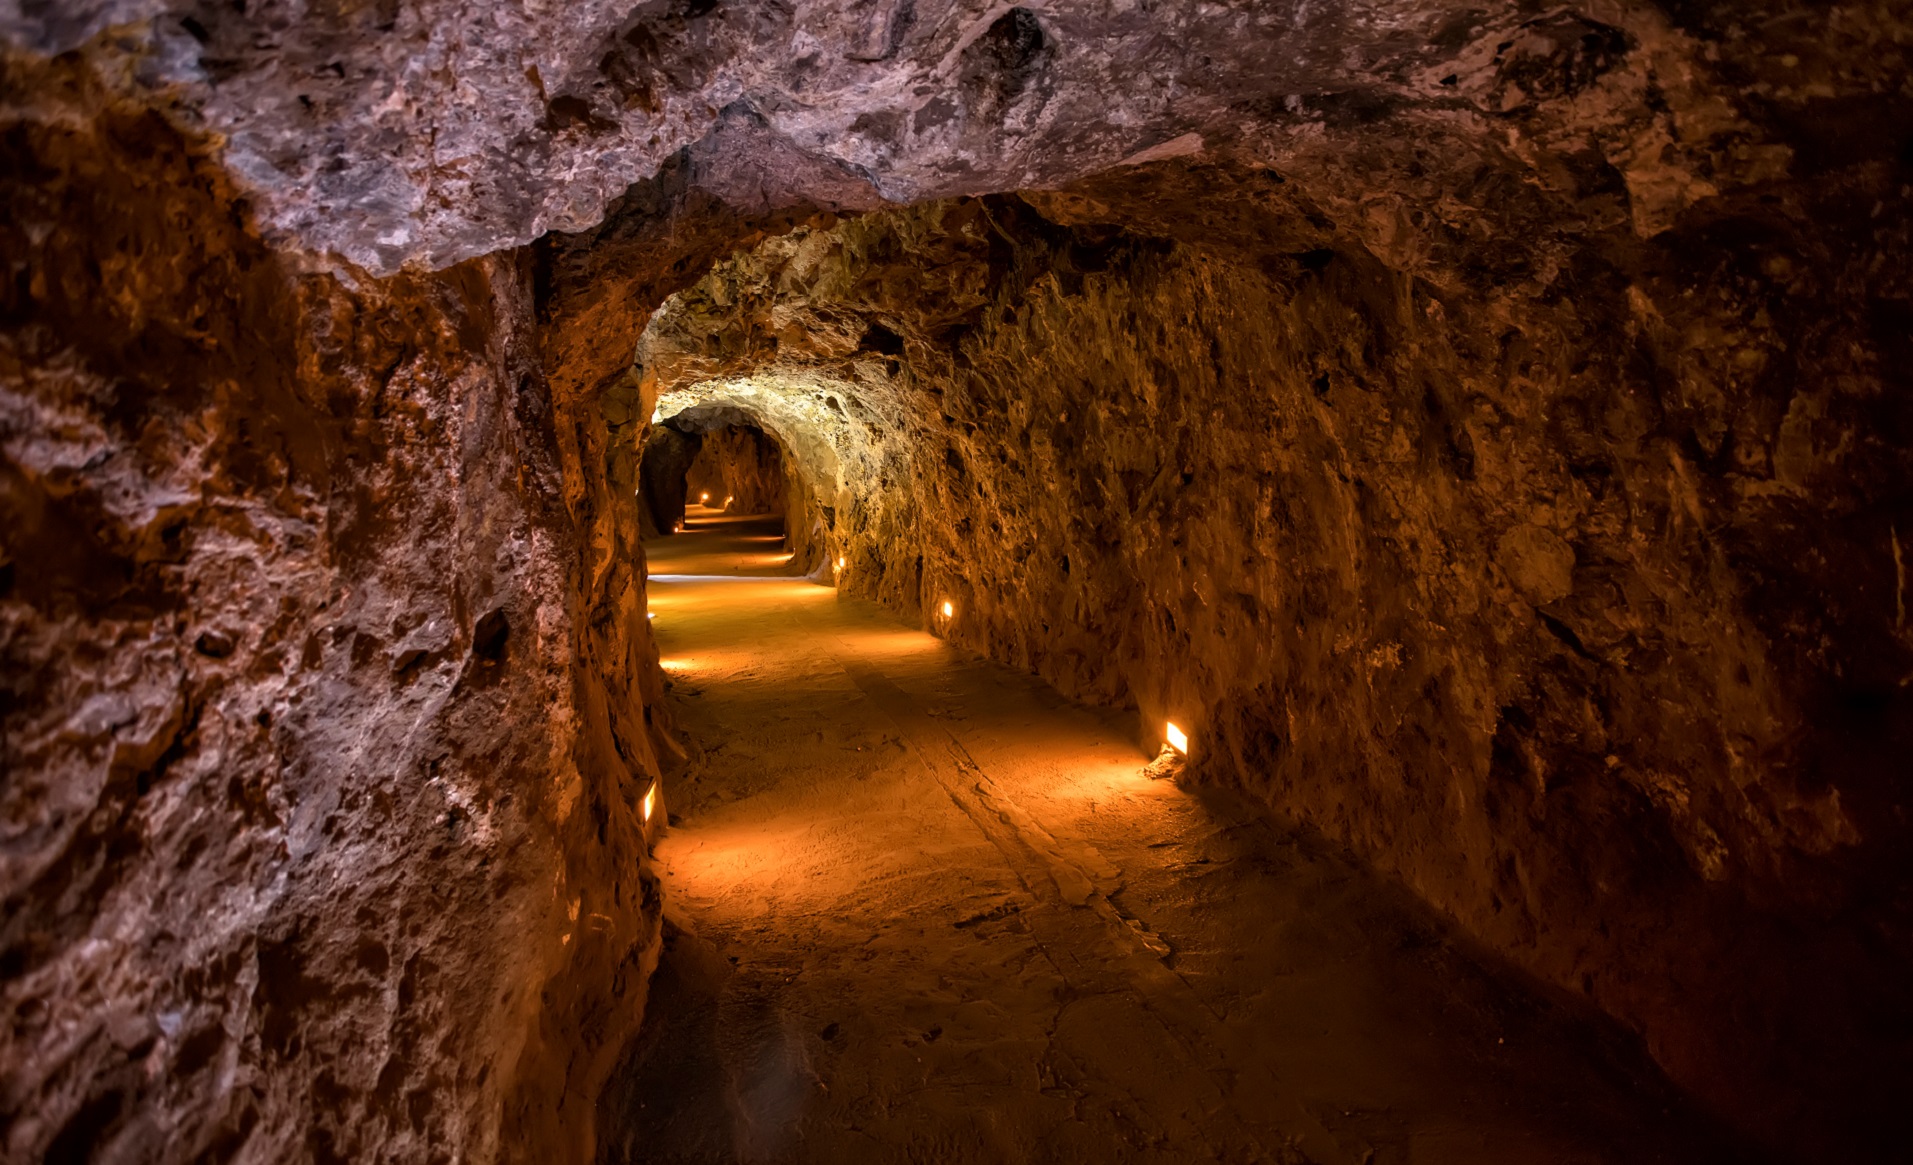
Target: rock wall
x: 1528, y: 597
x: 319, y: 842
x: 663, y: 469
x: 741, y: 469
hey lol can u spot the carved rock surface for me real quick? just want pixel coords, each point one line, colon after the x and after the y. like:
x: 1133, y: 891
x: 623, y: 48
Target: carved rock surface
x: 434, y: 132
x: 663, y: 487
x: 1488, y: 427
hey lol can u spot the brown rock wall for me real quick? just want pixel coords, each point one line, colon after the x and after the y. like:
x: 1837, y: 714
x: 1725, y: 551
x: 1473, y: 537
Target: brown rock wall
x: 741, y: 469
x: 663, y: 485
x: 318, y: 843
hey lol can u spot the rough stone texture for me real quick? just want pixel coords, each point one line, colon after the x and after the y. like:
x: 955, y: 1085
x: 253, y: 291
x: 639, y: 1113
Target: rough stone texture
x: 1522, y: 596
x: 437, y: 131
x: 663, y: 467
x: 741, y: 470
x: 318, y: 844
x: 1487, y: 426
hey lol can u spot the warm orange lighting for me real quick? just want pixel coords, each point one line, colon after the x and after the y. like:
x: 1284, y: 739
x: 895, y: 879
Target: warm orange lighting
x: 650, y: 801
x: 1178, y: 739
x: 650, y: 614
x: 840, y: 562
x: 948, y: 609
x: 704, y: 497
x: 727, y: 503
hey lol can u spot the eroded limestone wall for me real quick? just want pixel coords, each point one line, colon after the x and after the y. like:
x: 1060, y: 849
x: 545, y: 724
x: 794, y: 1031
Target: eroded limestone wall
x: 318, y: 842
x: 1531, y: 631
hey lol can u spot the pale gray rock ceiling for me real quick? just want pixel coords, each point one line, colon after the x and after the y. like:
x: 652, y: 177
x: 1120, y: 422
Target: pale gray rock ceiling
x: 429, y: 133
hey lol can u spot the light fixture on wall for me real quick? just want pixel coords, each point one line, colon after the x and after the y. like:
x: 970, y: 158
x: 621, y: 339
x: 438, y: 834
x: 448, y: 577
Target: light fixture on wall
x: 650, y: 801
x: 1178, y: 739
x: 840, y: 562
x: 727, y: 503
x: 704, y: 499
x: 949, y: 609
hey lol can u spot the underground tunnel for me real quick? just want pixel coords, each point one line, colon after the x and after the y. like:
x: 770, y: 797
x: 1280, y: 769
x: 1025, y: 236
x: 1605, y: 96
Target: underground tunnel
x: 952, y: 582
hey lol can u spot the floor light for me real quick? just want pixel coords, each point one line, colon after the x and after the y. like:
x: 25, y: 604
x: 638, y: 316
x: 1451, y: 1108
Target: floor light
x: 1178, y: 739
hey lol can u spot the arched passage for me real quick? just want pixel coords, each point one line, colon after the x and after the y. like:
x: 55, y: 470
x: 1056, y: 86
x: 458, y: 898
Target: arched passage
x: 1483, y: 430
x: 720, y: 459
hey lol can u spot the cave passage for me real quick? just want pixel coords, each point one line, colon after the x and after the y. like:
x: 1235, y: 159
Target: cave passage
x: 613, y: 588
x: 714, y: 459
x: 919, y: 907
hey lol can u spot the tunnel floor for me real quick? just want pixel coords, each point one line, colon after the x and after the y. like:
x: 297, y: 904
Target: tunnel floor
x: 920, y: 908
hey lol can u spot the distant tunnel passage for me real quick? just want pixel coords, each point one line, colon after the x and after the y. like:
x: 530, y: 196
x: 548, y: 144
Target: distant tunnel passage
x: 724, y: 464
x: 740, y: 470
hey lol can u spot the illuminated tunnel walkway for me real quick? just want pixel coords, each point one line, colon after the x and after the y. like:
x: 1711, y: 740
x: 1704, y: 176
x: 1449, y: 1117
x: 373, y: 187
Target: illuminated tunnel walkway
x: 921, y: 908
x: 1486, y: 430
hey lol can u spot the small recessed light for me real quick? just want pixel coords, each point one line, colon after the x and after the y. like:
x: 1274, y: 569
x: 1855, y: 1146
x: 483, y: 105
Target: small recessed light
x: 1178, y: 739
x: 948, y: 609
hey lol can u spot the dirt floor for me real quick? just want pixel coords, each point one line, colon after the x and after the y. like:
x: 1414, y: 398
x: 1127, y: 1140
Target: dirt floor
x: 922, y: 909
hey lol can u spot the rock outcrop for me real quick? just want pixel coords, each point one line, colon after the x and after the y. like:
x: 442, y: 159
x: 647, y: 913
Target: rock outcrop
x: 664, y: 468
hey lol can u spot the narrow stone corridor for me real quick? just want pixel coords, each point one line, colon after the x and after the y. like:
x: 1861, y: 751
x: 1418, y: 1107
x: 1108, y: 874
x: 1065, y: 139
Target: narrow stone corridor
x: 920, y: 908
x: 956, y: 582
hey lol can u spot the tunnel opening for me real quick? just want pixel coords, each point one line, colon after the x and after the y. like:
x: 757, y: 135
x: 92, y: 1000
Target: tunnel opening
x: 743, y: 466
x: 712, y: 461
x: 1476, y: 448
x: 712, y: 455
